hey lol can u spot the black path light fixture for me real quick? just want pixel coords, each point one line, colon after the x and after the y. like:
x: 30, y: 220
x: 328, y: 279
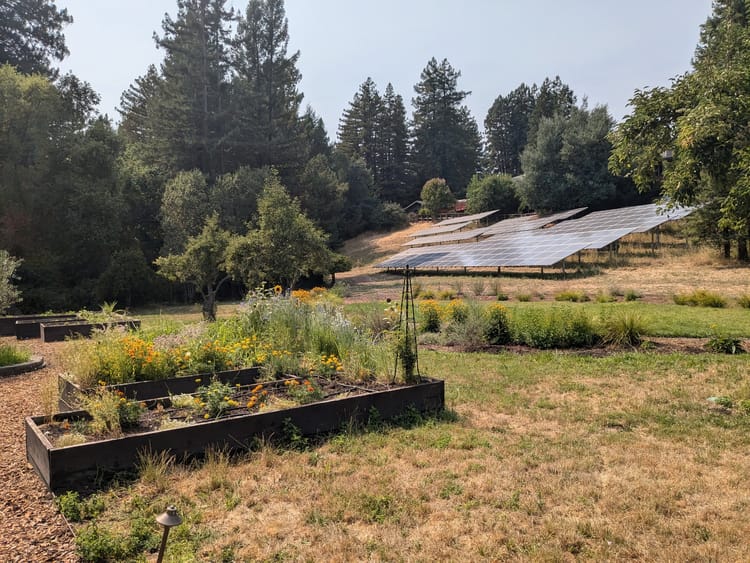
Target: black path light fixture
x: 169, y: 520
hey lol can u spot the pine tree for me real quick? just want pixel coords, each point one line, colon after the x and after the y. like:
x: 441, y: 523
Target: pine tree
x: 31, y: 34
x: 446, y: 137
x: 506, y: 126
x: 394, y: 179
x: 268, y: 130
x: 359, y: 132
x: 554, y: 97
x: 190, y: 116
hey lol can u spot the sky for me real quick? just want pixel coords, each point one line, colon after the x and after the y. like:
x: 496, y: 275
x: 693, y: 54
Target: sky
x: 603, y: 49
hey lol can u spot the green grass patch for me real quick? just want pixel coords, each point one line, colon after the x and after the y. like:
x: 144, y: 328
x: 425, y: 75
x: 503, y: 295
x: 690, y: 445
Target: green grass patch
x: 11, y: 355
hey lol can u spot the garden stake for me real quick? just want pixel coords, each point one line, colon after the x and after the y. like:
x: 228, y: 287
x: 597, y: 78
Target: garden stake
x: 168, y: 519
x: 406, y: 347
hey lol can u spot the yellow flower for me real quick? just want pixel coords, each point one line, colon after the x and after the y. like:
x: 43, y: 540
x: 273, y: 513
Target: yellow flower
x: 206, y: 415
x: 277, y: 289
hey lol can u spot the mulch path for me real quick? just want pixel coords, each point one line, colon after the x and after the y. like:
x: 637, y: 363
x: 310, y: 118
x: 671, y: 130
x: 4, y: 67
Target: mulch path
x: 33, y: 530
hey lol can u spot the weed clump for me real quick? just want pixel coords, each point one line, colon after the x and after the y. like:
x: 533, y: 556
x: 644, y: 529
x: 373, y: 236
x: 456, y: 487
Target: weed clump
x: 700, y: 298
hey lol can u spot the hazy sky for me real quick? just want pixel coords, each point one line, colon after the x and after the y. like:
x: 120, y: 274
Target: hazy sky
x: 604, y: 49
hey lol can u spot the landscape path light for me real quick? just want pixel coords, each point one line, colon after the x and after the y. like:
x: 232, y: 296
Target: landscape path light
x: 168, y: 519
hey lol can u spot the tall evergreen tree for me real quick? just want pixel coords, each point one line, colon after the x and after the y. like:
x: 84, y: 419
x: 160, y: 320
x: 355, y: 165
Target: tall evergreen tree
x: 554, y: 97
x: 359, y: 131
x: 266, y: 105
x: 394, y: 179
x: 31, y: 35
x: 446, y: 139
x: 191, y: 110
x: 506, y: 127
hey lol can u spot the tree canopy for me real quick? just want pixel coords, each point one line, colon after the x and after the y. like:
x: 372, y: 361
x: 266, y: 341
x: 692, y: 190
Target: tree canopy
x: 31, y: 35
x: 691, y: 139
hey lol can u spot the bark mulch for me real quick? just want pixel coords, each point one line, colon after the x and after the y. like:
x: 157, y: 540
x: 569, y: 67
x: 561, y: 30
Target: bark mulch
x: 32, y: 529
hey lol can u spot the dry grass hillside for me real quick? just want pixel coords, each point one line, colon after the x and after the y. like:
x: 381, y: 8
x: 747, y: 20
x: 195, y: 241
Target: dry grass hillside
x: 675, y: 267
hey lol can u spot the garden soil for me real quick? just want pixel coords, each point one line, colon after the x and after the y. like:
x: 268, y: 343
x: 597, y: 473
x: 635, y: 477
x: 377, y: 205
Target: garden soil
x: 33, y: 530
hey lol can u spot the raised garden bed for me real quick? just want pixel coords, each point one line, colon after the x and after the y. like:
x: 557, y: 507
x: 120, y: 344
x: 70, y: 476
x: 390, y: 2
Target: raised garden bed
x: 31, y: 328
x: 8, y: 323
x: 71, y: 393
x: 34, y: 363
x: 57, y: 331
x: 78, y: 467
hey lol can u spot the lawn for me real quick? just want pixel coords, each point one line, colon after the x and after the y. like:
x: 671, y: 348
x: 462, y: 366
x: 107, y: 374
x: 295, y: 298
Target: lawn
x: 544, y: 456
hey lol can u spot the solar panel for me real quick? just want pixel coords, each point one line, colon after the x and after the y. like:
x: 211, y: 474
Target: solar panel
x: 638, y: 219
x: 467, y: 218
x: 530, y: 222
x: 450, y: 237
x: 440, y: 230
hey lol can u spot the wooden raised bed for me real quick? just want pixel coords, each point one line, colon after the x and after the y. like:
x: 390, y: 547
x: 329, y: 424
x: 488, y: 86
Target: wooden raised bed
x: 31, y: 328
x: 78, y: 467
x: 57, y: 331
x: 71, y: 393
x: 8, y: 323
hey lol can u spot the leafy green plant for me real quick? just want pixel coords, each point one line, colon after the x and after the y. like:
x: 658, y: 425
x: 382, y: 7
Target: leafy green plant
x: 721, y: 343
x: 554, y: 327
x: 303, y: 391
x: 457, y: 311
x: 429, y: 316
x: 99, y: 544
x: 216, y: 398
x: 112, y: 412
x: 11, y: 355
x: 496, y: 325
x: 700, y: 298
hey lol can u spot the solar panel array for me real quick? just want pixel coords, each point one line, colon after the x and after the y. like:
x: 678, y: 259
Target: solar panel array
x: 440, y: 230
x: 523, y: 242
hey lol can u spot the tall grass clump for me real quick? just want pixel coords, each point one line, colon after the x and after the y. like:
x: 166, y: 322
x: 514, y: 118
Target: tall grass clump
x: 700, y: 298
x: 744, y: 301
x: 623, y: 328
x: 572, y: 296
x: 553, y: 327
x: 10, y: 355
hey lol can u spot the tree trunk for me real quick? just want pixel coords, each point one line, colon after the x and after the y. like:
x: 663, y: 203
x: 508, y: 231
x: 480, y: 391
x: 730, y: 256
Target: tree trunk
x: 727, y: 249
x: 209, y: 306
x: 742, y: 255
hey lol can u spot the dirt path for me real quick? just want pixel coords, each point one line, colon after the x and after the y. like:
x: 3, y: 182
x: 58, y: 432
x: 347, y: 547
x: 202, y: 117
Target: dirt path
x: 32, y: 528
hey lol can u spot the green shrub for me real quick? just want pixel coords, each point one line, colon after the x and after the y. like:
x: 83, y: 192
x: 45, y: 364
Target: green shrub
x: 447, y: 294
x: 573, y: 296
x: 554, y: 327
x: 111, y: 412
x: 720, y: 343
x: 99, y: 544
x: 496, y: 325
x: 701, y: 298
x: 10, y: 355
x: 457, y: 311
x: 468, y: 328
x: 744, y: 301
x: 624, y: 328
x: 632, y: 295
x: 524, y: 297
x: 502, y: 296
x: 427, y: 294
x: 70, y: 506
x: 429, y: 316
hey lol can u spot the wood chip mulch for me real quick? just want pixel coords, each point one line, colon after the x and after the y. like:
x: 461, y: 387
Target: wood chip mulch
x: 32, y: 529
